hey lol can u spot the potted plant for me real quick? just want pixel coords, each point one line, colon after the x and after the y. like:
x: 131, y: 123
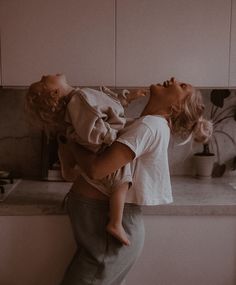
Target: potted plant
x: 207, y: 162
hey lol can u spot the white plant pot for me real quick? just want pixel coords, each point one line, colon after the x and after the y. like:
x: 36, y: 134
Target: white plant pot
x: 204, y: 165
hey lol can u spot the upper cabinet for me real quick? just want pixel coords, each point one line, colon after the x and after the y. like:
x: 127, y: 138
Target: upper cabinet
x: 119, y: 42
x: 187, y: 39
x: 232, y: 79
x: 75, y: 37
x: 0, y: 60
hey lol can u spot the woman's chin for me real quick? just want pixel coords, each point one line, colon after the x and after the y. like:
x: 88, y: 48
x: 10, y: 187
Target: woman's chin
x: 152, y: 87
x: 155, y: 88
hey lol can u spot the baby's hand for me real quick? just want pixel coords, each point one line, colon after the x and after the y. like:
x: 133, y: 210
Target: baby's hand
x: 129, y: 96
x: 135, y: 94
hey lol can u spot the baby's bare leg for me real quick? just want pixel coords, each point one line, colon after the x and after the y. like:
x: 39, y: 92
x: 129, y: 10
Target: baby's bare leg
x: 117, y: 201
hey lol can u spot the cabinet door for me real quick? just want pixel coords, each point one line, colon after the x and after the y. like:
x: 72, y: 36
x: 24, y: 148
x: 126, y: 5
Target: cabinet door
x: 187, y: 39
x: 75, y: 37
x: 0, y: 61
x: 232, y: 81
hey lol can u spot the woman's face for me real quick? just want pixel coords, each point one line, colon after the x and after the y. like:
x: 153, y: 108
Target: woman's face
x: 171, y: 92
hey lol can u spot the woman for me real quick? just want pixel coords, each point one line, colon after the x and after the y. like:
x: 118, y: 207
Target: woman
x: 100, y: 259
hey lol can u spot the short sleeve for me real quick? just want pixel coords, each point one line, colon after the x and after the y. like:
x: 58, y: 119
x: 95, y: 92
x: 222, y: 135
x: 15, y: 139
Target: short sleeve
x: 138, y: 137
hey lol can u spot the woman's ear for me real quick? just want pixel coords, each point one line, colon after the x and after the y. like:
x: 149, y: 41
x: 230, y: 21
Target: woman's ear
x: 175, y: 109
x: 201, y: 108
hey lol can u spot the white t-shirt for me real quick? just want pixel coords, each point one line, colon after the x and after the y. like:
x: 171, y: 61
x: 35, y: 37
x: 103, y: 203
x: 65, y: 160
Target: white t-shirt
x: 148, y: 137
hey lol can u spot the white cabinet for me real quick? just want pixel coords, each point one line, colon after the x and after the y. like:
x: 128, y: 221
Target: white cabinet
x: 232, y: 80
x: 178, y: 250
x: 75, y: 37
x: 118, y: 42
x: 35, y: 250
x: 187, y: 250
x: 185, y: 38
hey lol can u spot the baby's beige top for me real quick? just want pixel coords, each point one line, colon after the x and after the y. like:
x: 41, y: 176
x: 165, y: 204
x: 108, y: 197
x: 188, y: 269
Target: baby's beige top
x: 94, y: 118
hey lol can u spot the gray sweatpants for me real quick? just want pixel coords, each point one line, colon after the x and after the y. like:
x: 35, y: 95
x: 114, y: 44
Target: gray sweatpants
x: 100, y: 258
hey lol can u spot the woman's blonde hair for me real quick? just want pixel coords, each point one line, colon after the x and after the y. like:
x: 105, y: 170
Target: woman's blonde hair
x: 45, y: 108
x: 186, y: 120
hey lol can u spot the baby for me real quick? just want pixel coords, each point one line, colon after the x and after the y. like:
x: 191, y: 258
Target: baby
x: 91, y: 118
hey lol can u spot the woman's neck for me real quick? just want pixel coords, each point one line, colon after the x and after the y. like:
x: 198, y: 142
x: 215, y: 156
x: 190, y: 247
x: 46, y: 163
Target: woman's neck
x: 153, y: 109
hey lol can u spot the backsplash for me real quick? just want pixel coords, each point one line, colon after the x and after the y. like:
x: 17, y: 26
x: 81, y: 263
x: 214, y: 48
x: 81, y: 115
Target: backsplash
x: 21, y: 145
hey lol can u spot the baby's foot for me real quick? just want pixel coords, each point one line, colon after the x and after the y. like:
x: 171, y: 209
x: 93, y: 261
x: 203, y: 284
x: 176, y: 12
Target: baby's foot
x: 118, y: 232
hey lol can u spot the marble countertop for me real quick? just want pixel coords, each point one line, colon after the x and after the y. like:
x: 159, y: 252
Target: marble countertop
x: 31, y: 197
x: 195, y: 197
x: 192, y: 196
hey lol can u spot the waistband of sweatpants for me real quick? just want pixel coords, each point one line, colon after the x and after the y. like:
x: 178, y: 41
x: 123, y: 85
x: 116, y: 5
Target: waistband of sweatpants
x: 96, y: 203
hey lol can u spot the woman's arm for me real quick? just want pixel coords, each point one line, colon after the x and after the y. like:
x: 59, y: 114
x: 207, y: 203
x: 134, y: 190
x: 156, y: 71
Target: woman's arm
x: 99, y: 166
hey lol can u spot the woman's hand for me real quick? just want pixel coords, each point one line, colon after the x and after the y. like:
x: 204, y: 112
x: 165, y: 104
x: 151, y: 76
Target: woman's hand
x: 67, y: 162
x: 83, y: 157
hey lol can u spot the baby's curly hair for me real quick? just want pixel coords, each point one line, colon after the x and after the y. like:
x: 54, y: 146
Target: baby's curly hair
x: 45, y: 108
x: 186, y: 119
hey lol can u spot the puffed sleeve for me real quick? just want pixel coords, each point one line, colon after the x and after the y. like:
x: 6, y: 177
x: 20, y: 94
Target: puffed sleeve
x: 87, y: 127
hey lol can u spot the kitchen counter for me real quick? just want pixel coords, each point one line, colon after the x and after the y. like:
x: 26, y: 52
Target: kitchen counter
x: 31, y: 197
x: 192, y: 196
x: 195, y: 197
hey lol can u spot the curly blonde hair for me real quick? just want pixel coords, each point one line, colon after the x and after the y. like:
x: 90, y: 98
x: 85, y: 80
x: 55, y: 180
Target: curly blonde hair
x: 45, y: 108
x: 186, y: 119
